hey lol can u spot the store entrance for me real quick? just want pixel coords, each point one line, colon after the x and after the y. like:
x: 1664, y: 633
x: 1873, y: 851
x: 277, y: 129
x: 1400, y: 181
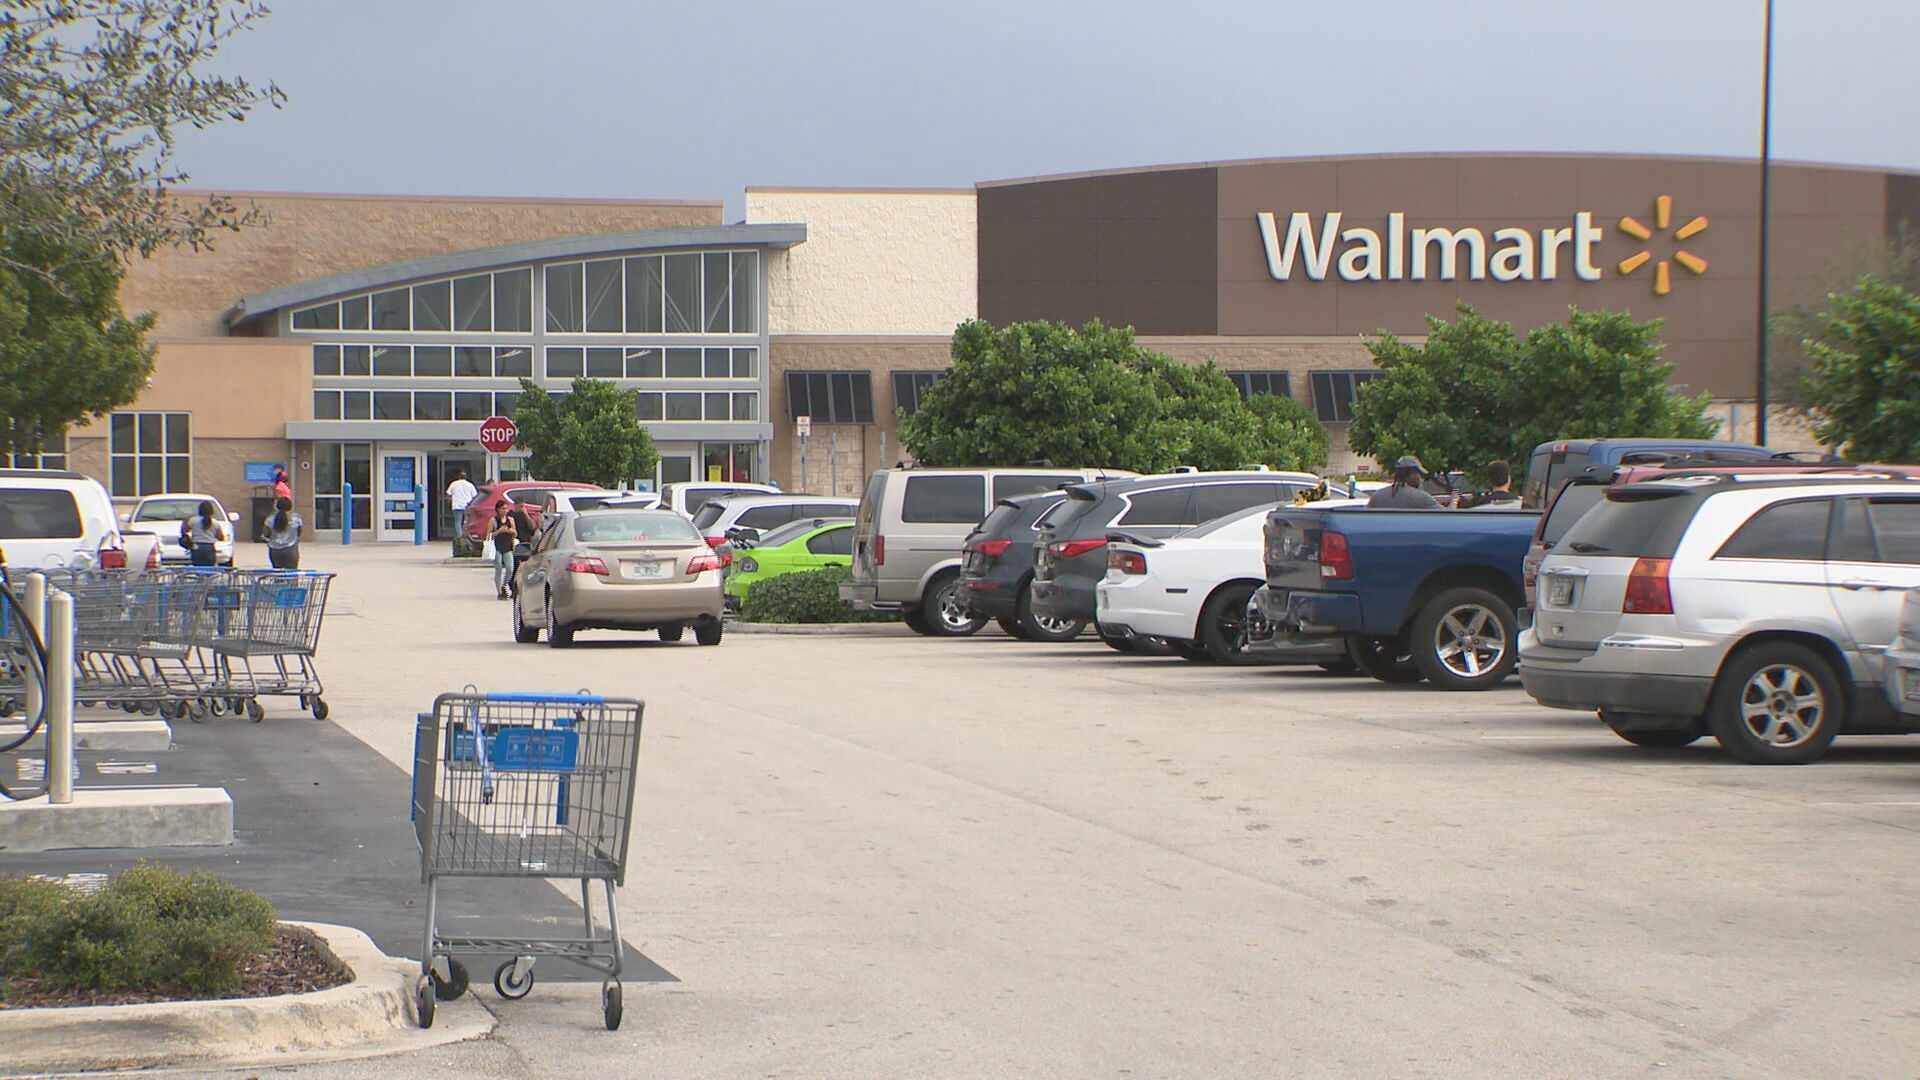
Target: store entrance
x: 441, y: 468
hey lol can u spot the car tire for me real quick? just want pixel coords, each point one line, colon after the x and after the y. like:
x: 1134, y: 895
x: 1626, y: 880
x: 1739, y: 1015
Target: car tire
x: 1223, y: 625
x: 1464, y: 639
x: 709, y: 632
x: 1011, y: 625
x: 673, y: 631
x: 522, y: 633
x: 1036, y: 627
x: 1776, y: 703
x: 944, y: 609
x: 1385, y: 659
x: 915, y: 620
x: 1339, y: 667
x: 559, y: 635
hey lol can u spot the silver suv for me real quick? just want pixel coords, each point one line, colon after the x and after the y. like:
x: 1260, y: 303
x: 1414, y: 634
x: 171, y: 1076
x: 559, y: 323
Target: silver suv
x: 1757, y: 610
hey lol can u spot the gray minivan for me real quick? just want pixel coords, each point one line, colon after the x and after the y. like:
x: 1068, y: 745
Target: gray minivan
x: 908, y: 533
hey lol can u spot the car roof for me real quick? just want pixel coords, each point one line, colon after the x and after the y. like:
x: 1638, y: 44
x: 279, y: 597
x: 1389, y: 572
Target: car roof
x: 1099, y: 488
x: 42, y: 474
x: 753, y: 498
x: 1711, y: 484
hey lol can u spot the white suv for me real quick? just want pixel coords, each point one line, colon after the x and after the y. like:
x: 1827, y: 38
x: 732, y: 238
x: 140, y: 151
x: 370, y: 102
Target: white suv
x: 54, y: 518
x: 1755, y: 609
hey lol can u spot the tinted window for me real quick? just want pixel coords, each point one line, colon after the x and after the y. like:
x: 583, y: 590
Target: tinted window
x: 951, y: 499
x: 529, y: 496
x: 709, y: 514
x: 697, y: 496
x: 1640, y: 524
x: 1790, y: 530
x: 1574, y: 500
x: 1000, y: 519
x: 766, y: 517
x: 38, y: 514
x: 822, y: 510
x: 782, y: 534
x: 1167, y: 506
x: 606, y: 526
x: 1896, y: 525
x: 1212, y: 500
x: 1006, y: 486
x: 832, y: 542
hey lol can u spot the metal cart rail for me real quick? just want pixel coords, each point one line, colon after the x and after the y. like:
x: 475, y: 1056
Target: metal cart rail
x: 524, y: 785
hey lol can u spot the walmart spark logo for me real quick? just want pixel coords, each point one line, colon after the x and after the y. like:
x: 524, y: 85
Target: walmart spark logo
x: 1662, y: 215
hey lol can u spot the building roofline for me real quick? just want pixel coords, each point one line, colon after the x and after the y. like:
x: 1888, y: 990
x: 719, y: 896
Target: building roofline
x: 1479, y: 155
x: 760, y: 189
x: 258, y: 305
x: 330, y: 196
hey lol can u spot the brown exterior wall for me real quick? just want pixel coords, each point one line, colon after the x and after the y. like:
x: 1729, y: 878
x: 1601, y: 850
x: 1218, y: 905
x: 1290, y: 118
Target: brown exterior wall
x: 310, y: 236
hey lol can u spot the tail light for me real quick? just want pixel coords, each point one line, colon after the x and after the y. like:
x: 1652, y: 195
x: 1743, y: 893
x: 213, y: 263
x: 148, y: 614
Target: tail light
x: 111, y: 558
x: 587, y: 564
x: 1647, y: 590
x: 715, y: 541
x: 153, y: 557
x: 1127, y: 562
x: 1068, y: 549
x: 879, y: 550
x: 700, y: 564
x: 1336, y: 558
x: 993, y: 549
x: 1529, y: 577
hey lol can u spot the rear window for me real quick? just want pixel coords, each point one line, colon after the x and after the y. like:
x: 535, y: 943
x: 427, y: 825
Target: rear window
x: 1061, y: 517
x: 1167, y: 506
x: 1006, y: 486
x: 167, y: 510
x: 710, y: 513
x: 999, y: 520
x: 697, y: 496
x: 1632, y: 522
x: 1574, y: 500
x: 832, y: 542
x: 870, y: 502
x: 38, y: 514
x: 608, y: 527
x: 954, y: 500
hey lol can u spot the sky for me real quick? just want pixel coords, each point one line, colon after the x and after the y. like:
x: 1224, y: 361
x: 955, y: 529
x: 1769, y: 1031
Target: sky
x: 596, y: 98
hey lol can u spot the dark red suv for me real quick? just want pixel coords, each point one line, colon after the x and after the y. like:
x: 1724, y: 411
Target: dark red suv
x: 526, y: 493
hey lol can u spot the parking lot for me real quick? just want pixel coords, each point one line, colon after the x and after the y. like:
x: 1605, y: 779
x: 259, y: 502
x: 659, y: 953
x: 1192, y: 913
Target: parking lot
x: 878, y: 854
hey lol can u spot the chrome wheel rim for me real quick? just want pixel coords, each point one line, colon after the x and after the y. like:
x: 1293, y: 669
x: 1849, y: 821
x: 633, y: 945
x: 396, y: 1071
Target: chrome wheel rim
x: 1470, y: 641
x: 1782, y: 705
x: 1051, y: 624
x: 953, y: 608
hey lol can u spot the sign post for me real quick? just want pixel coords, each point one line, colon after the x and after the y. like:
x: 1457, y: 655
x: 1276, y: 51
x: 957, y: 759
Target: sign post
x: 802, y: 428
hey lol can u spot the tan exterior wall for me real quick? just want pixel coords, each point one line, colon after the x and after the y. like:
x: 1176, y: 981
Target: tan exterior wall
x: 875, y: 262
x: 860, y: 445
x: 310, y: 236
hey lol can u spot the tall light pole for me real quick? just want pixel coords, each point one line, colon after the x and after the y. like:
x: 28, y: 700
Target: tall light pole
x: 1766, y: 199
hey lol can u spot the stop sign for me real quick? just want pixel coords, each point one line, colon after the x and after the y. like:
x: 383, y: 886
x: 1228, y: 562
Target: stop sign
x: 497, y: 434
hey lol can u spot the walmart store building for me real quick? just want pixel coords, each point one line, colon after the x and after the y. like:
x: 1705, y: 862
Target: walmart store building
x: 363, y: 339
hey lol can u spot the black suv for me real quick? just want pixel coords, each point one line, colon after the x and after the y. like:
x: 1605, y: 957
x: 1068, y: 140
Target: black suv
x: 997, y: 565
x: 1070, y: 545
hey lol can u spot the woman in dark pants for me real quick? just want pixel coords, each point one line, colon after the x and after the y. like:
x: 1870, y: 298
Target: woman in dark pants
x: 205, y: 529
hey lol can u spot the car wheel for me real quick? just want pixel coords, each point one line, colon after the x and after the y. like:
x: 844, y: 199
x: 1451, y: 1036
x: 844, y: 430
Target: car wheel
x: 1385, y: 659
x: 559, y: 635
x: 522, y: 633
x: 1463, y: 639
x: 1011, y: 625
x: 708, y: 633
x: 673, y: 631
x: 1223, y: 625
x: 1776, y: 704
x: 1037, y: 627
x: 945, y: 609
x: 915, y: 619
x: 1662, y: 739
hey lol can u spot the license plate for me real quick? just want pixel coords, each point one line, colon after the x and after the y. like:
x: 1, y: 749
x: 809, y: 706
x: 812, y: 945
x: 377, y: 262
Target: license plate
x: 1910, y: 684
x: 646, y: 569
x: 1559, y: 592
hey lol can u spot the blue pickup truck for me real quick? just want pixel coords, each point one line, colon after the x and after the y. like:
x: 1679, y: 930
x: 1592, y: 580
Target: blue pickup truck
x: 1416, y: 593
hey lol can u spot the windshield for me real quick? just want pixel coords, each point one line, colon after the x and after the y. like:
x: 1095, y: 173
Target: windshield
x: 1631, y: 523
x: 1574, y: 501
x: 616, y: 527
x: 167, y: 510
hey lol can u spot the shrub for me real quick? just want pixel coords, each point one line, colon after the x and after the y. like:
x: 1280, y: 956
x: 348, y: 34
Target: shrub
x: 151, y: 926
x: 809, y: 596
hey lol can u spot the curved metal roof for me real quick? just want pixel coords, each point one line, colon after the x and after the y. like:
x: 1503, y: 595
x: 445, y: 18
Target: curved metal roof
x: 260, y: 304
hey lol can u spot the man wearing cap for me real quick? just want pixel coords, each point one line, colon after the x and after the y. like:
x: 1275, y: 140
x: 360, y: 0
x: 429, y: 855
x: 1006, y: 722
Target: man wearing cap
x: 1405, y: 493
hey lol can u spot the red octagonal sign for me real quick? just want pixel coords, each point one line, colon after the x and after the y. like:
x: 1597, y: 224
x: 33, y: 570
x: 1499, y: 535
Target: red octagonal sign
x: 497, y: 434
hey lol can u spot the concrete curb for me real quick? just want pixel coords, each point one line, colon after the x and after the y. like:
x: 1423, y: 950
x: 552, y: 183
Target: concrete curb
x: 369, y: 1016
x: 854, y: 629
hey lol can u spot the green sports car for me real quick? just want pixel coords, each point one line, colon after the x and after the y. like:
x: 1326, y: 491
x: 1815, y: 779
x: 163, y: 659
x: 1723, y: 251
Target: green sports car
x: 805, y: 544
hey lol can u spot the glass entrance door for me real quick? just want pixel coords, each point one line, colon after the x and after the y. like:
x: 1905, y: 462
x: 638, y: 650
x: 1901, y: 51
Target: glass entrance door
x: 398, y: 474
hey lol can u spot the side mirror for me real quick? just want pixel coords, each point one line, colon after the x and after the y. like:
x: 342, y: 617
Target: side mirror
x: 233, y: 517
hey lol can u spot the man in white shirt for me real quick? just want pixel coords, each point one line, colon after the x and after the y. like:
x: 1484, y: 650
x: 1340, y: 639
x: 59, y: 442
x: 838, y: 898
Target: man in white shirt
x: 460, y: 494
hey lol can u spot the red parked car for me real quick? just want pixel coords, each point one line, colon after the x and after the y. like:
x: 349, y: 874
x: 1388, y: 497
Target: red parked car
x: 527, y: 494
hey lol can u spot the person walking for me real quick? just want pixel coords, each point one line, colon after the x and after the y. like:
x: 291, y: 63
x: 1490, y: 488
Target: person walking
x: 204, y: 529
x: 460, y: 494
x: 281, y: 488
x: 1499, y: 485
x: 282, y: 534
x: 504, y: 534
x: 1404, y: 493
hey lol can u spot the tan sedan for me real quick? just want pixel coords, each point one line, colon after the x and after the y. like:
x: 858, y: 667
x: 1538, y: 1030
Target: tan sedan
x: 618, y: 570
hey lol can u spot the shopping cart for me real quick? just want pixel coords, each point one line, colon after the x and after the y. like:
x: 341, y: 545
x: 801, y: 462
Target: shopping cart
x: 263, y: 628
x: 520, y: 785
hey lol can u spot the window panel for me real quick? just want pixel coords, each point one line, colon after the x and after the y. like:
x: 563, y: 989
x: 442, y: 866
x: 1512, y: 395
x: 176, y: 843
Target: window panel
x: 392, y: 309
x: 153, y: 475
x: 683, y: 294
x: 716, y: 317
x: 126, y: 476
x: 604, y: 297
x: 433, y: 405
x: 1249, y: 383
x: 949, y: 499
x: 326, y: 404
x: 746, y: 406
x: 356, y: 360
x: 831, y: 542
x: 355, y: 314
x: 565, y: 363
x: 513, y: 363
x: 683, y: 407
x: 505, y: 404
x: 1333, y: 393
x: 121, y: 441
x: 719, y: 406
x: 606, y: 363
x: 430, y: 360
x: 433, y: 306
x: 470, y: 405
x: 145, y: 450
x: 565, y: 298
x: 1167, y: 506
x: 324, y: 317
x: 326, y: 359
x: 719, y: 363
x: 645, y: 290
x: 683, y: 363
x: 392, y: 360
x: 356, y: 405
x: 909, y: 385
x: 643, y: 363
x: 746, y: 292
x: 152, y: 433
x: 647, y: 407
x: 179, y: 474
x: 513, y: 301
x: 473, y: 303
x: 1212, y: 500
x: 1789, y: 530
x: 392, y: 405
x: 1896, y: 525
x: 746, y: 363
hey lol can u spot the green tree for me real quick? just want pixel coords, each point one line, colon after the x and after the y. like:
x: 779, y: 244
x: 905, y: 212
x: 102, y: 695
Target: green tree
x: 590, y: 435
x: 1862, y: 387
x: 1291, y: 436
x: 67, y: 353
x: 1090, y: 396
x: 1476, y: 390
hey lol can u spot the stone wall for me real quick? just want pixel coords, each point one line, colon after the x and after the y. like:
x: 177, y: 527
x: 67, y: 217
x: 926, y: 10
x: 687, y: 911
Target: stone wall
x: 875, y: 261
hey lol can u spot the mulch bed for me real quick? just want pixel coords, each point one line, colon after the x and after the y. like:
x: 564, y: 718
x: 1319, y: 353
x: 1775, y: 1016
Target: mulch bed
x: 291, y: 966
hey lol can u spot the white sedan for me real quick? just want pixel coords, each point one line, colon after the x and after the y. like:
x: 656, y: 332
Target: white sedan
x: 162, y: 514
x: 1191, y: 588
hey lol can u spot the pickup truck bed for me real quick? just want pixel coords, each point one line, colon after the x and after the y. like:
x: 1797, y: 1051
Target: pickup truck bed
x: 1417, y: 593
